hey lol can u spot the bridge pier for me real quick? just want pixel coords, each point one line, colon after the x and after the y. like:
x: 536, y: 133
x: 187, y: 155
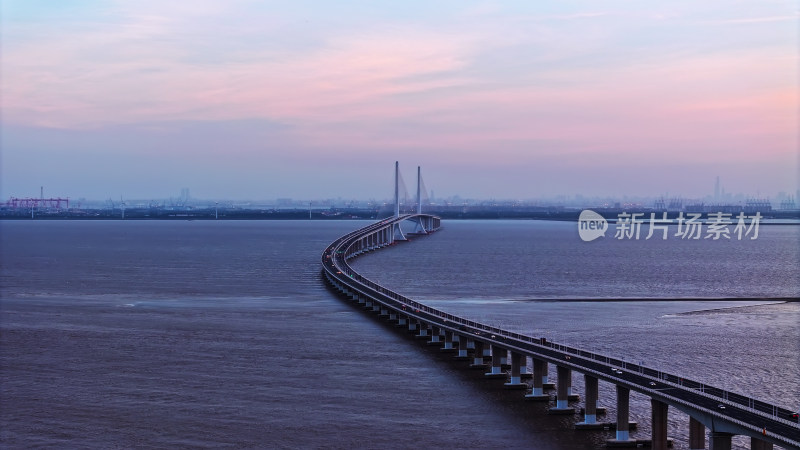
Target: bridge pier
x: 412, y: 325
x: 448, y: 342
x: 590, y: 410
x: 545, y: 383
x: 659, y: 424
x: 477, y: 357
x: 516, y: 380
x: 697, y: 434
x: 562, y: 391
x: 423, y: 330
x: 571, y: 395
x: 464, y: 345
x: 537, y: 393
x: 497, y: 363
x: 623, y: 425
x: 435, y: 336
x: 523, y: 367
x: 719, y: 441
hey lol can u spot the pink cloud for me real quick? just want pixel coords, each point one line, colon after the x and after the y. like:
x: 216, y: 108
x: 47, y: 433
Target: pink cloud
x: 365, y: 89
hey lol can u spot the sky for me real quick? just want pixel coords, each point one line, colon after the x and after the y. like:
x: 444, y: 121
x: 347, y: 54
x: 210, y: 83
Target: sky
x: 244, y: 99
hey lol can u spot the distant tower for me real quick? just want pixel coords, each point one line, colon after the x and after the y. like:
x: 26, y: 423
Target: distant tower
x: 396, y: 230
x: 419, y: 193
x: 397, y: 189
x: 716, y: 190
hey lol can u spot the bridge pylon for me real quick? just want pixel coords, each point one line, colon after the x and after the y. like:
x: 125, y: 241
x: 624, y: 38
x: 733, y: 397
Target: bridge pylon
x: 419, y: 227
x: 397, y: 232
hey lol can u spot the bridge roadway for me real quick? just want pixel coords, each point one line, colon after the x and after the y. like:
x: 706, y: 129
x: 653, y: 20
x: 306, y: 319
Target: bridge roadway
x: 720, y: 411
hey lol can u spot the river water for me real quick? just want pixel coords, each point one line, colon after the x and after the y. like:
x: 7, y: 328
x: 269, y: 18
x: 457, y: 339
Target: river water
x: 222, y: 334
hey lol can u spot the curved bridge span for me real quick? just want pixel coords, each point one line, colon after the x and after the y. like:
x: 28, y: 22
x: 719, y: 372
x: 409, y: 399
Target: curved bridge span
x: 722, y: 413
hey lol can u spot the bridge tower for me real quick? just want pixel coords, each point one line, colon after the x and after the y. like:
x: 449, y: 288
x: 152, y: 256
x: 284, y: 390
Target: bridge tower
x: 396, y: 189
x: 420, y: 227
x: 396, y: 230
x: 419, y: 196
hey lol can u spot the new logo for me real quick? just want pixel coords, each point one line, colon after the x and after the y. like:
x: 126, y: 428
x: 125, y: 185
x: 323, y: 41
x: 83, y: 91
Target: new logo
x: 591, y: 225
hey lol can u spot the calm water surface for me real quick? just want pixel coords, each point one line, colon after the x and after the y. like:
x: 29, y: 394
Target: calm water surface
x: 214, y: 334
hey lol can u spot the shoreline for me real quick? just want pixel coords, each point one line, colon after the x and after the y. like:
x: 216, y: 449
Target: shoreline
x: 304, y: 216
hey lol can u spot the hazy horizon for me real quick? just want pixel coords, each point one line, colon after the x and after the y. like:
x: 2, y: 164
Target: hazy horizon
x: 510, y: 100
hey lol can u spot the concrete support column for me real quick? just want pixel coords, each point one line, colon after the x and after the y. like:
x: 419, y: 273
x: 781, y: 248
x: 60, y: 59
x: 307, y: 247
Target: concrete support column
x: 571, y: 395
x: 515, y: 366
x: 463, y: 345
x: 412, y: 325
x: 758, y: 444
x: 435, y: 336
x: 538, y: 392
x: 545, y: 383
x: 523, y: 367
x: 590, y: 410
x: 470, y: 344
x: 498, y: 354
x: 516, y: 380
x: 659, y: 421
x: 562, y: 392
x: 623, y: 411
x: 401, y: 320
x: 697, y: 434
x: 448, y: 341
x: 719, y: 441
x: 423, y: 330
x: 477, y: 359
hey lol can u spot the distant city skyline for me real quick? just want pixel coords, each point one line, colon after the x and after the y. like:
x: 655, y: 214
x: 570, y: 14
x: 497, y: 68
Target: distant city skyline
x: 185, y: 198
x: 510, y: 100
